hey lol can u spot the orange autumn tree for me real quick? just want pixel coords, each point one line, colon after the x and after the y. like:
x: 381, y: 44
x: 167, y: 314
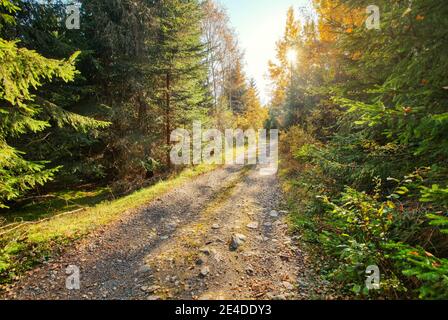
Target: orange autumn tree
x: 255, y: 114
x: 335, y: 17
x: 280, y: 70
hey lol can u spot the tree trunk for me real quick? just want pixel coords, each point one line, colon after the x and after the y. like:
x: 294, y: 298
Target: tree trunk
x: 142, y: 111
x: 168, y: 118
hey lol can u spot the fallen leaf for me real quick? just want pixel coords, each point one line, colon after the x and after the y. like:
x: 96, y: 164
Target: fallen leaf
x: 420, y: 18
x: 407, y: 110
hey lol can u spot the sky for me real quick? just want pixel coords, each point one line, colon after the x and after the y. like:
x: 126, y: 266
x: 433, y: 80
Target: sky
x: 259, y: 24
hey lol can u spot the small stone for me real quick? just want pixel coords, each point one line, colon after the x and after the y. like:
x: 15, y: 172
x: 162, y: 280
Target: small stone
x: 172, y: 225
x: 205, y: 271
x: 302, y: 284
x: 144, y: 269
x: 216, y: 226
x: 253, y: 225
x: 153, y: 298
x: 274, y: 214
x: 200, y: 261
x: 288, y: 285
x: 164, y: 238
x: 237, y: 241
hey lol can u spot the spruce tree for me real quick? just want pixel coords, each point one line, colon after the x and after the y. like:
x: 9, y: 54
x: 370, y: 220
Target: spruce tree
x: 178, y: 68
x: 22, y: 72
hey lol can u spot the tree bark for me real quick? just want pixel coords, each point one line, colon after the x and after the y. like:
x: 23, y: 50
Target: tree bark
x: 168, y: 118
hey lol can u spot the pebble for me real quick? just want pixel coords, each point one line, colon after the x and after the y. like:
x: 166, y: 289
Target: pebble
x: 205, y: 271
x: 216, y: 226
x: 274, y: 214
x: 253, y: 225
x: 237, y: 241
x: 288, y: 285
x: 172, y: 225
x: 144, y: 269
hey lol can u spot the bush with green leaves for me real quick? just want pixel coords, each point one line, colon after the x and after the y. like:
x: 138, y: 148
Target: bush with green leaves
x: 362, y: 230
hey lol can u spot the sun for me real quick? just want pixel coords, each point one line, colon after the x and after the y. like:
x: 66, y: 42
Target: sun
x: 291, y: 55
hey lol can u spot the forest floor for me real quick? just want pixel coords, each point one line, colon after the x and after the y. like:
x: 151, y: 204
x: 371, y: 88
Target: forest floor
x: 224, y: 235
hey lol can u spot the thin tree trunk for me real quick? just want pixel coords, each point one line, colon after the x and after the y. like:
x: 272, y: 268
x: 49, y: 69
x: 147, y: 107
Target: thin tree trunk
x: 168, y: 118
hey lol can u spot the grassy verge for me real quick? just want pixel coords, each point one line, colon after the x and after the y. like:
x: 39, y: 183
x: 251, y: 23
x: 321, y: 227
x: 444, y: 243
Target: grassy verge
x: 54, y: 203
x: 300, y: 193
x: 31, y: 243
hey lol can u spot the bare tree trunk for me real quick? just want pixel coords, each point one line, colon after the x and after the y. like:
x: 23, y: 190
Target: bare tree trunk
x: 168, y: 118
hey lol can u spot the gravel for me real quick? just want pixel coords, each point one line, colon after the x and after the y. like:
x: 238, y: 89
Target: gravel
x: 169, y: 248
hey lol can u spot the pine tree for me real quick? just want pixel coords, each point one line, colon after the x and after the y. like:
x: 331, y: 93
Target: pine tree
x: 178, y: 68
x: 25, y: 112
x: 236, y: 88
x: 73, y: 141
x: 20, y: 71
x: 120, y: 35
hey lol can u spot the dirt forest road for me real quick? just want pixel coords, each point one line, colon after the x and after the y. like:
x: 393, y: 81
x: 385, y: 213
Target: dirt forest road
x: 221, y: 236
